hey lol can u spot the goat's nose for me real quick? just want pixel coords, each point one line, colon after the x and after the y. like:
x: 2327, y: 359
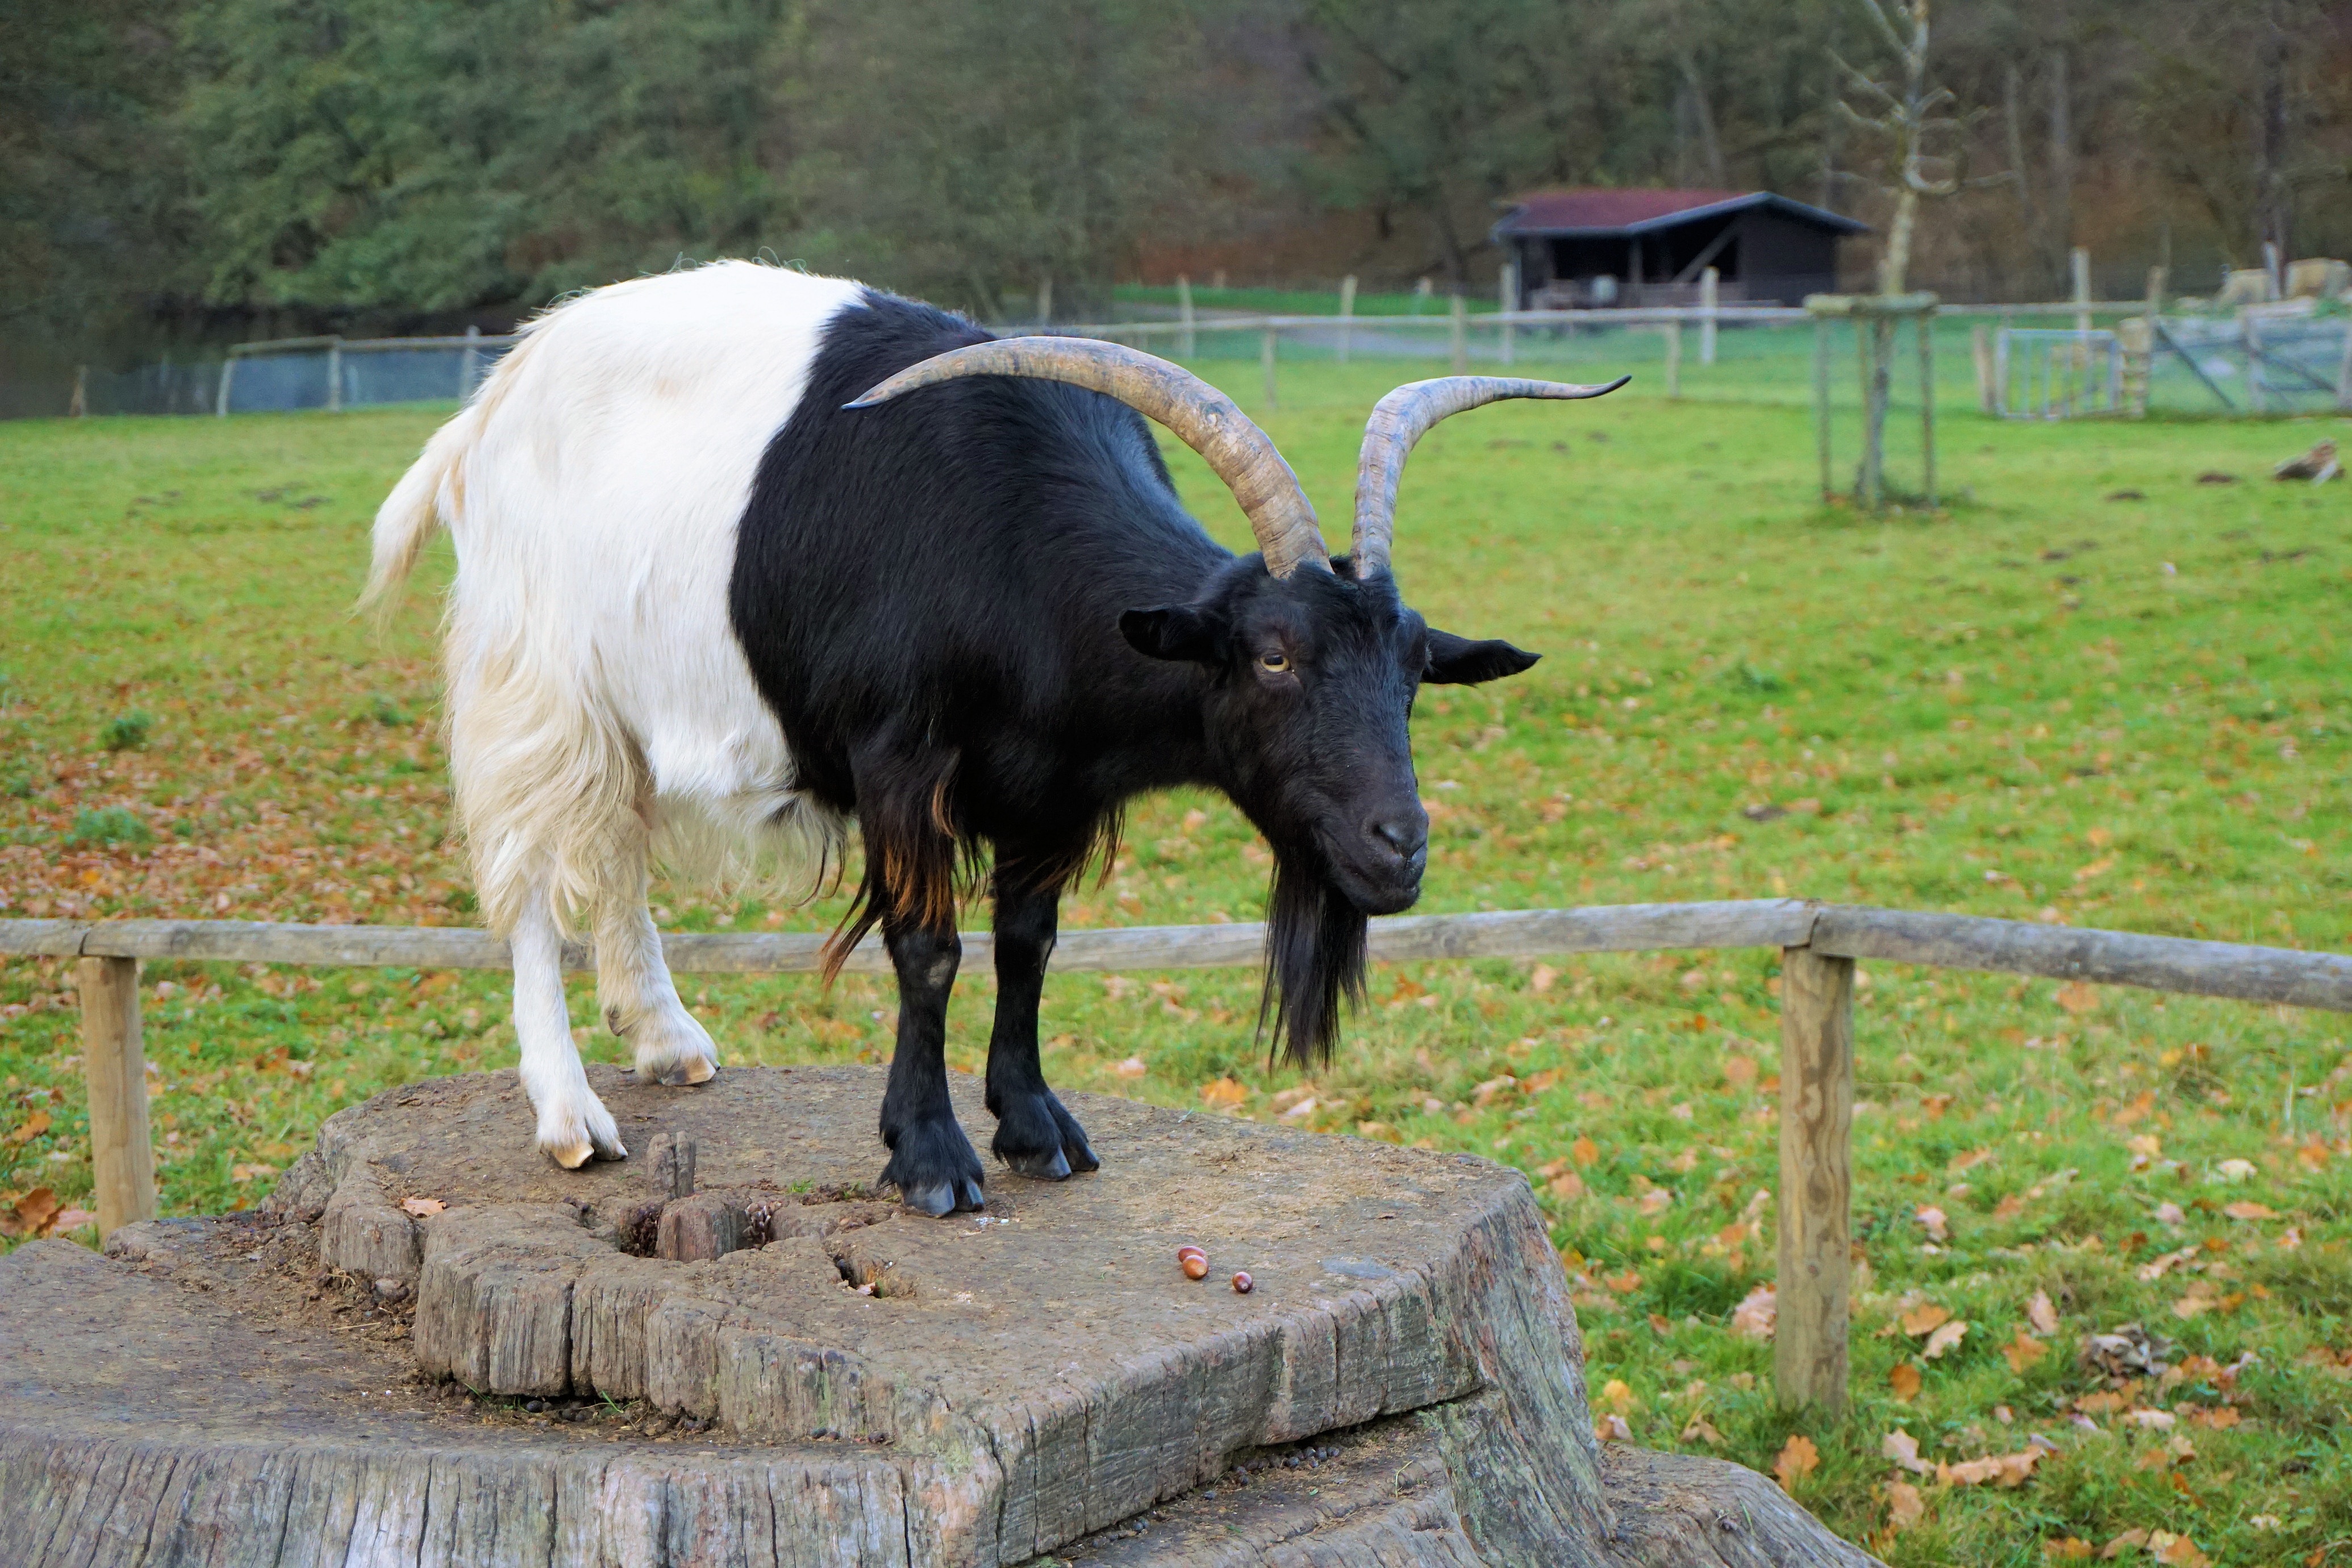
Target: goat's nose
x: 1408, y: 835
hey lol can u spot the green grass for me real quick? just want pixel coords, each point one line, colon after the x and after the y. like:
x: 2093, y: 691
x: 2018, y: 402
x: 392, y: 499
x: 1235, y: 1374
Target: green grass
x: 2042, y: 703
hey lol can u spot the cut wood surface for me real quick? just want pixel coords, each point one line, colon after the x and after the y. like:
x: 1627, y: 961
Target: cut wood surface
x: 1809, y: 1342
x: 861, y: 1386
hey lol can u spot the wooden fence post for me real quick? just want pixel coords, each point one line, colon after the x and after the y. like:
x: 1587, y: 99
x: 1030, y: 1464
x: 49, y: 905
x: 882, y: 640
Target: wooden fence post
x: 114, y: 1067
x: 1673, y: 332
x: 1347, y: 314
x: 1458, y: 334
x: 1928, y: 404
x: 335, y: 376
x: 1980, y: 350
x: 1821, y: 398
x: 1708, y: 296
x: 1809, y: 1340
x: 1184, y: 317
x: 1266, y: 359
x: 1508, y: 286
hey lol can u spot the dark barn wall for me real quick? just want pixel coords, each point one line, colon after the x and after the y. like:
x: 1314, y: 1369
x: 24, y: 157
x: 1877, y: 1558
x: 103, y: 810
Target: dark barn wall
x: 1784, y: 259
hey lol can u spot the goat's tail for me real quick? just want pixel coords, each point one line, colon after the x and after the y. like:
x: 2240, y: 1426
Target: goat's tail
x: 429, y: 496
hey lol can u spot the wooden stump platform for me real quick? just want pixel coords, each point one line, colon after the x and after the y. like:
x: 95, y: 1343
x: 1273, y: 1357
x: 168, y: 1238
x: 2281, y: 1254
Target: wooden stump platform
x: 728, y: 1350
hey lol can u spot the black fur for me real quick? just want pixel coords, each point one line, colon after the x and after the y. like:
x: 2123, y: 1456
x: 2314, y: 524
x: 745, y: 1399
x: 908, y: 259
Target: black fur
x: 984, y: 623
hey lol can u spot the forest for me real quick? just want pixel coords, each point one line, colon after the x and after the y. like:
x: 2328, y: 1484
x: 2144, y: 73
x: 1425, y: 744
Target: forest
x: 217, y: 169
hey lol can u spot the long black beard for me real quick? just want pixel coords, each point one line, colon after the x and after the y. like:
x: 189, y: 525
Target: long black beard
x: 1314, y: 959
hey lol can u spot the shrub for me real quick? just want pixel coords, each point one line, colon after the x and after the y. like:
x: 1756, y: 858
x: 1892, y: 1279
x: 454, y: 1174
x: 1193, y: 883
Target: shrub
x: 126, y: 731
x: 110, y: 825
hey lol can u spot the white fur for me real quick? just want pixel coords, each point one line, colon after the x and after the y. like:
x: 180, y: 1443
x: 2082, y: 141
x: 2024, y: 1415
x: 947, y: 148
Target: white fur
x: 599, y: 705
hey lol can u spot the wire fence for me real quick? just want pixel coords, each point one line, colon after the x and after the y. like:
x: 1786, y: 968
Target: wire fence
x: 2030, y: 360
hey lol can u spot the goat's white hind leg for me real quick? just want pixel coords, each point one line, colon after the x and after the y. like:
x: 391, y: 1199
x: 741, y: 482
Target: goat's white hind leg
x: 573, y: 1124
x: 632, y: 983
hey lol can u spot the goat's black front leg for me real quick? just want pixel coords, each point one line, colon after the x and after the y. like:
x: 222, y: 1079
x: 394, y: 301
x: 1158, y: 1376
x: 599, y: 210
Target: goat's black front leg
x: 1033, y: 1135
x: 931, y: 1161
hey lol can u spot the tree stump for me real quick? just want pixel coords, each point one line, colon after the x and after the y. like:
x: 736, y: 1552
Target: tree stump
x: 430, y: 1345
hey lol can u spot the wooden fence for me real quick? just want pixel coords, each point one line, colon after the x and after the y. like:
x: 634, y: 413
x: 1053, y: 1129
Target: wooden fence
x: 1819, y: 945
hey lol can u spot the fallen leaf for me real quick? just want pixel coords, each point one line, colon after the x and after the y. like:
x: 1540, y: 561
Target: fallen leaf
x: 1755, y: 1316
x: 2007, y: 1469
x: 1655, y: 1202
x: 1799, y: 1458
x: 2068, y: 1549
x: 1904, y: 1449
x: 1134, y: 1066
x: 34, y: 1126
x: 2245, y: 1210
x: 1924, y: 1317
x: 249, y: 1172
x: 1541, y: 980
x: 2042, y: 1314
x: 1904, y: 1506
x: 1624, y: 1284
x: 1298, y: 1112
x: 1223, y: 1093
x: 1568, y: 1186
x: 1968, y: 1162
x: 2078, y: 997
x: 1618, y: 1395
x: 2176, y: 1551
x: 1905, y: 1381
x: 35, y: 1208
x: 2122, y: 1543
x: 1701, y: 1430
x: 75, y: 1218
x: 1585, y: 1152
x: 1943, y: 1339
x: 1612, y: 1429
x: 1738, y: 1072
x: 1935, y: 1219
x: 2219, y: 1420
x: 421, y: 1208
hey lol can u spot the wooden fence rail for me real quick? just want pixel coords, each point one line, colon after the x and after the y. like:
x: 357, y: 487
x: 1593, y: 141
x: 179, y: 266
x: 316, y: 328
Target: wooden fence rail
x: 1819, y: 945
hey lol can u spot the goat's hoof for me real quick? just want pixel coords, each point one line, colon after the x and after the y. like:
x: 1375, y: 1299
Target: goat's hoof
x: 593, y: 1136
x: 1036, y: 1137
x: 694, y: 1070
x: 1053, y: 1165
x: 944, y: 1199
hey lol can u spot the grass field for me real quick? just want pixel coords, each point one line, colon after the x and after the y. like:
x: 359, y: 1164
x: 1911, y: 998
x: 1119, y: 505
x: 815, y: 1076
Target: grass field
x: 2097, y: 692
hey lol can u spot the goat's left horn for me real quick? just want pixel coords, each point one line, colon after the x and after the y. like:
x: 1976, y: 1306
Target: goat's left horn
x: 1200, y: 415
x: 1405, y: 416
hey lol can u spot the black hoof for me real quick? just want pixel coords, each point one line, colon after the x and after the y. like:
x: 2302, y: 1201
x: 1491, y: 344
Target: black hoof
x: 934, y: 1168
x: 1037, y: 1138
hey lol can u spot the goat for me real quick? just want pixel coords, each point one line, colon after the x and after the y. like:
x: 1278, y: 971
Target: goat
x: 711, y: 603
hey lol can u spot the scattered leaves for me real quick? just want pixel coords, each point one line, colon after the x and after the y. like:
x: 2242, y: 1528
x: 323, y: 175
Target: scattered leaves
x: 1799, y: 1458
x: 1223, y: 1093
x: 1756, y: 1315
x: 1944, y: 1338
x: 421, y: 1208
x: 1904, y: 1381
x: 1904, y: 1449
x: 2023, y: 1352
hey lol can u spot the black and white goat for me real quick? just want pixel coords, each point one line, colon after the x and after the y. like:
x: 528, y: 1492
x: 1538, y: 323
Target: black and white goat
x: 742, y: 556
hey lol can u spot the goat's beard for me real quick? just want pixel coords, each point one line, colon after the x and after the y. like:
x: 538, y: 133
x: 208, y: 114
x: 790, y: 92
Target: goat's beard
x: 1314, y: 959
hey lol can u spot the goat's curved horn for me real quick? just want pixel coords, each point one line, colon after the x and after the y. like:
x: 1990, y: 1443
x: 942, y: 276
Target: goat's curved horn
x: 1199, y: 414
x: 1405, y: 416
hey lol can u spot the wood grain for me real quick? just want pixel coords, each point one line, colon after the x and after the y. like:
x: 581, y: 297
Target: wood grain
x: 1809, y: 1342
x: 114, y: 1066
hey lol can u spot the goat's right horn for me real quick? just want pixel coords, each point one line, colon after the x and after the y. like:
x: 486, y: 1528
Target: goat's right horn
x: 1199, y: 414
x: 1405, y: 416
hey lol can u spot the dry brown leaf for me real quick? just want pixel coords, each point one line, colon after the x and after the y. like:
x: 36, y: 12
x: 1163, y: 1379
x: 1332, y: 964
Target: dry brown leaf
x: 2007, y: 1469
x: 2122, y: 1543
x: 69, y: 1220
x: 1904, y: 1449
x: 1134, y: 1066
x: 2042, y: 1314
x: 1612, y: 1429
x: 1903, y: 1380
x: 1799, y: 1458
x: 2176, y: 1551
x: 2068, y: 1549
x: 421, y: 1208
x: 2009, y: 1207
x: 1738, y: 1072
x: 36, y: 1209
x: 1624, y: 1284
x: 1585, y: 1152
x: 1701, y: 1430
x: 2243, y: 1209
x: 1904, y: 1506
x: 2023, y: 1352
x: 1618, y: 1395
x: 1756, y: 1315
x: 1935, y: 1220
x: 1541, y: 980
x: 1968, y: 1162
x: 1924, y: 1317
x: 2078, y: 997
x: 1943, y: 1339
x: 1223, y: 1093
x: 34, y: 1126
x: 1568, y: 1186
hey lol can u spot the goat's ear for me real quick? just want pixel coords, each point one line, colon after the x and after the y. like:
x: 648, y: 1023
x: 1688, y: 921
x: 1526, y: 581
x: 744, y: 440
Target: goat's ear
x: 1458, y: 661
x: 1174, y: 632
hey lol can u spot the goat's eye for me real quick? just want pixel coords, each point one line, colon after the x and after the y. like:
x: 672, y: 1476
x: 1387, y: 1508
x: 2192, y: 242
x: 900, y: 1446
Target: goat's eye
x: 1274, y: 663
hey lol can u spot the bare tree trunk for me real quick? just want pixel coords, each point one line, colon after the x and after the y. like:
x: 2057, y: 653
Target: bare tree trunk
x: 1894, y: 265
x: 2270, y: 209
x: 2059, y: 240
x: 1703, y: 118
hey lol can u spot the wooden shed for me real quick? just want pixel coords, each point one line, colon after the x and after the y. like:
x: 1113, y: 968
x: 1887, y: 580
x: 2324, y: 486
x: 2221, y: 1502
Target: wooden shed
x: 1598, y: 249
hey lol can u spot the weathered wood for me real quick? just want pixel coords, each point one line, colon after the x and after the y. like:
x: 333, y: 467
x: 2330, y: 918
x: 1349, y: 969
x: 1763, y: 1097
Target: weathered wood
x: 704, y: 1227
x: 2245, y: 974
x: 114, y: 1067
x: 1809, y: 1342
x: 43, y: 939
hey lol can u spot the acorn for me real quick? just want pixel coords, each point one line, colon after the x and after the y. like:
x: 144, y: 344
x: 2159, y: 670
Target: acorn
x: 1244, y: 1284
x: 1193, y: 1261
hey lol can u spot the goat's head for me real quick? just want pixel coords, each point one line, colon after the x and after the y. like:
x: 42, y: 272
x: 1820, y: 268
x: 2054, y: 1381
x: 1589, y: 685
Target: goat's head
x: 1313, y: 659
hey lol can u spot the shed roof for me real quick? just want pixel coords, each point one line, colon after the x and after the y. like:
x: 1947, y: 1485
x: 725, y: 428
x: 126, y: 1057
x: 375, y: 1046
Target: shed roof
x: 1597, y: 210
